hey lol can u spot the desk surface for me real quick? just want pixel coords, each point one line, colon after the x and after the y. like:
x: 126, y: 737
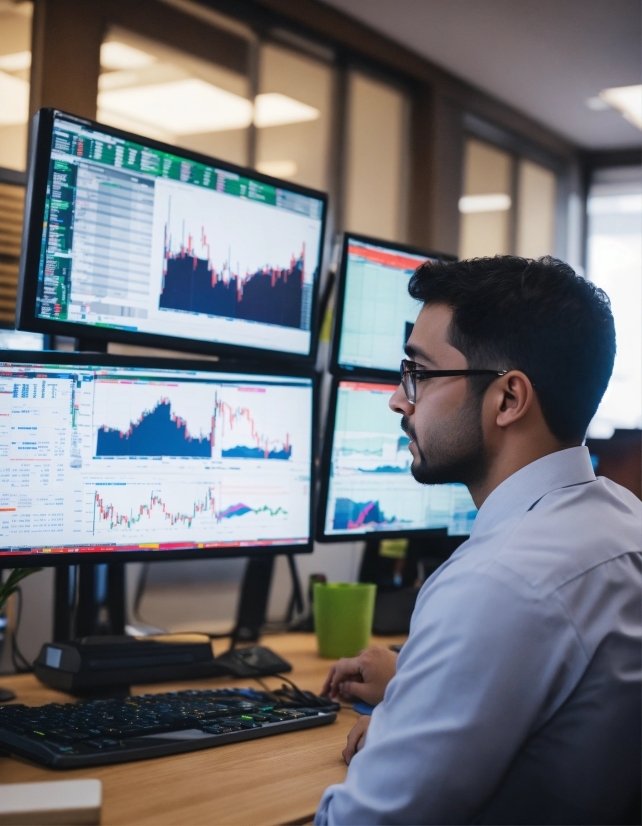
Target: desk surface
x: 275, y: 780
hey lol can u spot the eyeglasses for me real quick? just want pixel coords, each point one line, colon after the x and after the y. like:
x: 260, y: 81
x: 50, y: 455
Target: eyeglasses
x: 411, y: 374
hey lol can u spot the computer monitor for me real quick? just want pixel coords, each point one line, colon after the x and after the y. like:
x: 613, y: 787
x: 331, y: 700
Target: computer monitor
x: 128, y: 239
x: 374, y: 315
x: 115, y: 460
x: 11, y: 339
x: 367, y: 488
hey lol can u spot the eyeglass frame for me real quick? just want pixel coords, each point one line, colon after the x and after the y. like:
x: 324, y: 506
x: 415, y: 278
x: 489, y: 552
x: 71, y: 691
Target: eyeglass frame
x: 419, y: 374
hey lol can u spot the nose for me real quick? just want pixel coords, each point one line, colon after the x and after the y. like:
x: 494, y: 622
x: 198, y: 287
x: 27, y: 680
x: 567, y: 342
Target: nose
x: 400, y: 404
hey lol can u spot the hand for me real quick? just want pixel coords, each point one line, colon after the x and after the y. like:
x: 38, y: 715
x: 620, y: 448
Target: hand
x: 356, y: 739
x: 362, y: 678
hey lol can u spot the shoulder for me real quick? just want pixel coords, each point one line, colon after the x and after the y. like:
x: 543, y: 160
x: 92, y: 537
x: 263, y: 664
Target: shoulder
x: 572, y: 531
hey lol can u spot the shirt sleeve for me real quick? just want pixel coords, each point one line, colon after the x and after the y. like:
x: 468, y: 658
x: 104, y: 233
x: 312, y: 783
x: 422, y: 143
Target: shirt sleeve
x: 486, y: 664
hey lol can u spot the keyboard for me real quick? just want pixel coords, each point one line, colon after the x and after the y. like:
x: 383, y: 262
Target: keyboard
x: 137, y: 727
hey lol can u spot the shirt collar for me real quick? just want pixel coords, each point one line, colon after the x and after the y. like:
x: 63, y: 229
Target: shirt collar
x: 523, y: 489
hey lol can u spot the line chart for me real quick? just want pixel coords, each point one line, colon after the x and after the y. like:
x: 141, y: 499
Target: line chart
x: 107, y: 515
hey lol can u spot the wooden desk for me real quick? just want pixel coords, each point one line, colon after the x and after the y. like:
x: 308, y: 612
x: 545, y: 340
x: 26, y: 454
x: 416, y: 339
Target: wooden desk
x: 275, y: 780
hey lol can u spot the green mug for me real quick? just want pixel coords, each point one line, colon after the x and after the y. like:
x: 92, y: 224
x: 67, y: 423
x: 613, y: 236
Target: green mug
x: 343, y: 614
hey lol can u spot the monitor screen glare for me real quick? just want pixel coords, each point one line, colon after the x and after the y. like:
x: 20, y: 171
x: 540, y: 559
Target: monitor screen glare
x: 17, y: 340
x: 371, y: 487
x: 142, y: 240
x: 98, y: 459
x: 378, y: 313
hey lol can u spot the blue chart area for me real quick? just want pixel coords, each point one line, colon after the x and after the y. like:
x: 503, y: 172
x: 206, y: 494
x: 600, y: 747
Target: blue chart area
x: 270, y: 295
x: 242, y: 452
x: 401, y: 459
x: 349, y: 515
x: 157, y: 432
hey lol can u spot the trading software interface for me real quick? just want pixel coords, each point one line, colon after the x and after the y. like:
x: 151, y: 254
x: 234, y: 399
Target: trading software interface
x: 378, y: 313
x: 107, y: 459
x: 142, y: 240
x: 371, y: 487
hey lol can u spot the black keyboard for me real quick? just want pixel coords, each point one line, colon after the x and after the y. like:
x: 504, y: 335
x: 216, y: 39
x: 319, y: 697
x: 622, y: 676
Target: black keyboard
x: 72, y: 735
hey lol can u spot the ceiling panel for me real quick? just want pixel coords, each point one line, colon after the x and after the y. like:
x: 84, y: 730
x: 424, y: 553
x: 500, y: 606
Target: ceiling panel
x: 543, y: 57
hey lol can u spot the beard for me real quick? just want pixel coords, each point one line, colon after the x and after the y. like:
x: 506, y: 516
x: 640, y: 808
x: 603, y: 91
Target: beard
x: 453, y: 451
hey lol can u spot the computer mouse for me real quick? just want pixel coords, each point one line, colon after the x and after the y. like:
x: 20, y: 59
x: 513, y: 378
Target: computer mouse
x: 253, y: 661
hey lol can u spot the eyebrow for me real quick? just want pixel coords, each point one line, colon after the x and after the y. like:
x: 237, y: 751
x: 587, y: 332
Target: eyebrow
x: 416, y: 352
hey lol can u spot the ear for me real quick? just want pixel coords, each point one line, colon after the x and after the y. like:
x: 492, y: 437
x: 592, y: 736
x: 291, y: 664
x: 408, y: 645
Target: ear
x: 515, y: 396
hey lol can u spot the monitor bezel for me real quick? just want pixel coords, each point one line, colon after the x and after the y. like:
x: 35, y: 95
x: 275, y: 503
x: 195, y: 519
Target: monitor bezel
x: 336, y: 368
x: 37, y: 559
x: 26, y: 312
x: 441, y: 541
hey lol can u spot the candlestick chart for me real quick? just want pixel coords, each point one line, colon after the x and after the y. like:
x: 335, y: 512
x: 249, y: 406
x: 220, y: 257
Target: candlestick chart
x: 107, y: 515
x: 207, y: 270
x: 224, y: 427
x: 156, y: 432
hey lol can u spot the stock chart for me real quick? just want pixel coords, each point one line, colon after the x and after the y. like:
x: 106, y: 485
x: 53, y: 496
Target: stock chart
x: 378, y: 313
x: 140, y: 239
x: 371, y: 487
x: 145, y: 459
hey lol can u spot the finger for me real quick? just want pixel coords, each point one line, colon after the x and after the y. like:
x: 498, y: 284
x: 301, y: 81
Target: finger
x: 343, y: 669
x: 328, y: 681
x: 350, y: 688
x: 356, y: 739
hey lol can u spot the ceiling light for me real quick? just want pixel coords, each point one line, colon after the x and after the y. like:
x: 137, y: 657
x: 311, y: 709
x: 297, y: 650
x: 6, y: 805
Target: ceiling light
x: 14, y: 94
x: 115, y: 55
x: 597, y: 104
x: 493, y: 202
x: 274, y: 109
x: 16, y: 62
x: 278, y: 169
x: 627, y: 100
x: 134, y: 125
x: 182, y: 107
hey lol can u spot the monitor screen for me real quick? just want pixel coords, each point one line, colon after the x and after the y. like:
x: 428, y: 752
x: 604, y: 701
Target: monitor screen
x: 133, y: 240
x: 103, y: 457
x: 368, y: 486
x: 19, y: 340
x: 374, y: 314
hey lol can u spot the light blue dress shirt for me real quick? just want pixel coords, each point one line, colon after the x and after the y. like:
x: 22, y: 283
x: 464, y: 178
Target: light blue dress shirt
x: 517, y: 695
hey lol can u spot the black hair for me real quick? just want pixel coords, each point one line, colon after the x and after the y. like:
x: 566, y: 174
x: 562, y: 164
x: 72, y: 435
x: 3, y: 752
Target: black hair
x: 539, y: 317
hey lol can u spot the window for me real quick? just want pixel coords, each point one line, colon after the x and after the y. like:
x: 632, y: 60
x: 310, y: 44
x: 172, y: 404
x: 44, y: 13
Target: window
x: 614, y: 259
x: 15, y: 64
x: 535, y: 210
x: 154, y: 90
x: 507, y: 205
x: 486, y: 203
x: 292, y: 116
x: 12, y: 199
x: 377, y: 137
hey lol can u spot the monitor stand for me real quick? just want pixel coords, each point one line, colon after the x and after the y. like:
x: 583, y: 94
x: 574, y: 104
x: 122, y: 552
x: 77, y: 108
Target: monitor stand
x: 89, y: 601
x: 91, y: 345
x: 255, y: 592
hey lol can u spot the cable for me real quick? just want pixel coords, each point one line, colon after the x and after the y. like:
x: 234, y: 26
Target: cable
x: 20, y: 662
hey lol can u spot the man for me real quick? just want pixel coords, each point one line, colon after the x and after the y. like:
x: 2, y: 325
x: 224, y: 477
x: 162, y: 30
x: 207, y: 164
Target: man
x: 516, y: 698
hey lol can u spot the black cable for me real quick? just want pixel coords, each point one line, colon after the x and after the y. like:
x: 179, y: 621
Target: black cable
x: 20, y: 662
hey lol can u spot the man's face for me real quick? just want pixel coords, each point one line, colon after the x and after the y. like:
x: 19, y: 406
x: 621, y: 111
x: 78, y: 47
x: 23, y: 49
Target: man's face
x: 444, y: 424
